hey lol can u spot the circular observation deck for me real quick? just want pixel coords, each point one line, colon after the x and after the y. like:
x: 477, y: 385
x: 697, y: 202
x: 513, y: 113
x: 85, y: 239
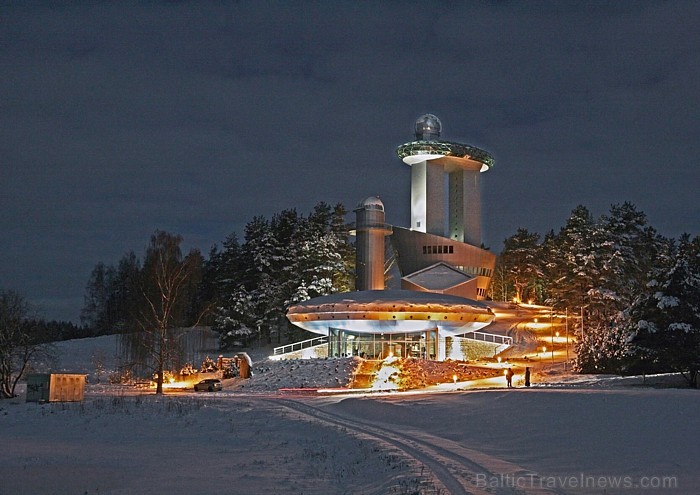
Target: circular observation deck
x: 419, y: 151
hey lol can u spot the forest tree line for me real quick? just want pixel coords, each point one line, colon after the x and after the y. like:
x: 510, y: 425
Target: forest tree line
x: 638, y: 292
x: 241, y: 290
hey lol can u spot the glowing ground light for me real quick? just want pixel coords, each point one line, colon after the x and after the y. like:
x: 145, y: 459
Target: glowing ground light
x: 177, y: 385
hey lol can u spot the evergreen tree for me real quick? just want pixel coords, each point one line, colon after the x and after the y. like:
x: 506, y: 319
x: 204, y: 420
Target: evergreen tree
x: 282, y: 261
x: 227, y: 269
x: 521, y: 260
x: 595, y: 267
x: 572, y: 260
x: 94, y: 314
x: 664, y: 323
x: 631, y: 249
x: 625, y: 250
x: 125, y: 301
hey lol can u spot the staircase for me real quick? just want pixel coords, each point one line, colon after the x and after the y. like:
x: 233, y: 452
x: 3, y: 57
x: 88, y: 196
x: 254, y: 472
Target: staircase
x: 366, y: 374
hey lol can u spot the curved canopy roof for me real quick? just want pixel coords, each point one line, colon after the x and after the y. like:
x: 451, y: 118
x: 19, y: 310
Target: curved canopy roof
x: 390, y: 311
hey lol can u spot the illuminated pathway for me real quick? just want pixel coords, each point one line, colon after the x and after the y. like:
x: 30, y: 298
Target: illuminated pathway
x: 543, y: 339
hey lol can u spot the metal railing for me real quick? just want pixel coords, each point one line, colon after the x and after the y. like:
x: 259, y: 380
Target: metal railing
x: 297, y: 346
x: 489, y: 337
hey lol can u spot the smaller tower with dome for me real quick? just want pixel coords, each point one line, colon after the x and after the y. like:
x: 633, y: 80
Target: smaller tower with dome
x: 370, y: 231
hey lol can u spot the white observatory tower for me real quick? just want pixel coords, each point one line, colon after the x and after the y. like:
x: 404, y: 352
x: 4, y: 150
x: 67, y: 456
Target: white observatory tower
x: 445, y: 186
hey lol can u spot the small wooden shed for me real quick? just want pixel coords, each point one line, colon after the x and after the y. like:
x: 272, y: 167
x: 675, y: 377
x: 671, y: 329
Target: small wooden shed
x: 55, y: 387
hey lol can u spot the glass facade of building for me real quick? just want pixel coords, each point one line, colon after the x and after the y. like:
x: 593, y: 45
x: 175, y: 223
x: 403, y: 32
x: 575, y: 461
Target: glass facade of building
x: 344, y: 343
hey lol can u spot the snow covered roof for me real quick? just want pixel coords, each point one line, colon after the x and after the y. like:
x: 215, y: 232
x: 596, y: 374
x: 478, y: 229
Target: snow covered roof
x: 393, y: 296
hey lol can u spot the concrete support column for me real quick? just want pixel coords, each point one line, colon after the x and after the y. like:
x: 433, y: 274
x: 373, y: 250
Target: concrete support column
x: 465, y: 206
x: 428, y: 198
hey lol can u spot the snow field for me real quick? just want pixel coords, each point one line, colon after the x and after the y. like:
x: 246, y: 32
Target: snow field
x: 186, y: 445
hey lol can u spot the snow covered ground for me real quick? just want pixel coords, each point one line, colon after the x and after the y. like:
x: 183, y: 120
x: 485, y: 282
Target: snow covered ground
x: 570, y: 434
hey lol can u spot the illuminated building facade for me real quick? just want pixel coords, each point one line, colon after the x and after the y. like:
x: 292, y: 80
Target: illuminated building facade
x: 444, y: 272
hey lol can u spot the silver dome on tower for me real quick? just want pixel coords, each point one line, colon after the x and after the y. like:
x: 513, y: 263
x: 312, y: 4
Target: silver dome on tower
x: 428, y: 128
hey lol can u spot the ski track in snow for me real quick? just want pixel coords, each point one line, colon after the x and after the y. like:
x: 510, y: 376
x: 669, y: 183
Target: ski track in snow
x: 452, y: 465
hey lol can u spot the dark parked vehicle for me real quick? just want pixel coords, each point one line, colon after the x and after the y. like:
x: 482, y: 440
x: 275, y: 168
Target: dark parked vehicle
x: 208, y: 385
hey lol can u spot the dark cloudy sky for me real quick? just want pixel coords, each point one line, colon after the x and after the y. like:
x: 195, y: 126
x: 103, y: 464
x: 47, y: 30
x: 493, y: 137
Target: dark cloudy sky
x: 120, y: 118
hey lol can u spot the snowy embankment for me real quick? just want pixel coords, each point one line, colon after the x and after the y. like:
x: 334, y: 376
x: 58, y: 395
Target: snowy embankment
x: 270, y: 376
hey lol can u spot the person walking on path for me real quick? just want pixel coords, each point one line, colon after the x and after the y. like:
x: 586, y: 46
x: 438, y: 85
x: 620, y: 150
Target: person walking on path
x: 527, y: 376
x: 509, y: 377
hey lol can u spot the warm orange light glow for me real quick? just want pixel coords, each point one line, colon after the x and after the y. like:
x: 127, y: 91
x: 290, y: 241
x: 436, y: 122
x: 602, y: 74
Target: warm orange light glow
x: 177, y: 385
x: 536, y: 326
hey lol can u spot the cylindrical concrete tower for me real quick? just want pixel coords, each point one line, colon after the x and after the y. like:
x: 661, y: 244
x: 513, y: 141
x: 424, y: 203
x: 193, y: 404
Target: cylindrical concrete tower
x: 370, y: 230
x: 449, y: 208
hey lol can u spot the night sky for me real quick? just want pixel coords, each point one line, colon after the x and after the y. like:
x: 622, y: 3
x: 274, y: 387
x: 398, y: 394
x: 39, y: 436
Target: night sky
x: 117, y: 119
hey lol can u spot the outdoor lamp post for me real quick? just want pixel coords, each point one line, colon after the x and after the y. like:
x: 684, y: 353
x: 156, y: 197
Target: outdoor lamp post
x: 551, y: 328
x: 566, y: 363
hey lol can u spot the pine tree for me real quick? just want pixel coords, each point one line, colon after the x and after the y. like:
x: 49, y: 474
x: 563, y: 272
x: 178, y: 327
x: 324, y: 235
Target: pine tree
x: 97, y: 294
x: 285, y: 260
x: 572, y: 260
x: 665, y: 321
x: 125, y: 301
x: 521, y: 260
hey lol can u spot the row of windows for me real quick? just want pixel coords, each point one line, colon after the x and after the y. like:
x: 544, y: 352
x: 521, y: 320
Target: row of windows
x: 438, y: 249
